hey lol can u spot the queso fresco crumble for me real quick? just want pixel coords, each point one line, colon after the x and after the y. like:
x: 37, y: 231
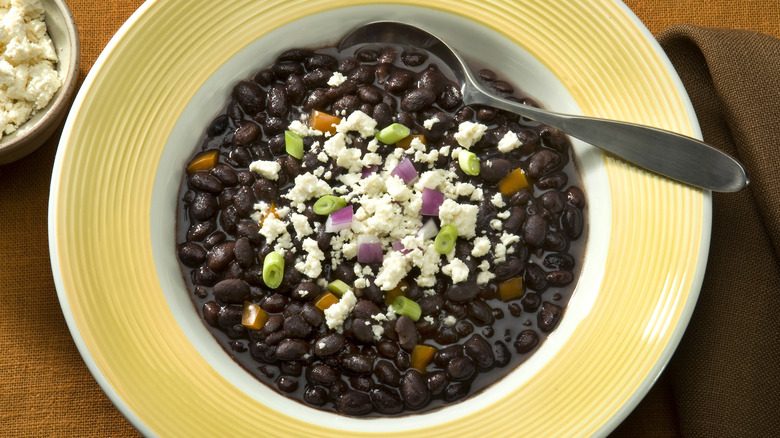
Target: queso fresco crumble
x: 28, y: 78
x: 362, y: 242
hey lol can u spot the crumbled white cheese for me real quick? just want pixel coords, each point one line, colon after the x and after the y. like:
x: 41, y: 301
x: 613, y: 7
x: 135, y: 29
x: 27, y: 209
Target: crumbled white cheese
x: 358, y: 121
x: 498, y: 200
x: 469, y: 133
x: 428, y: 124
x: 266, y: 169
x: 457, y: 270
x: 496, y: 224
x: 450, y: 320
x: 336, y: 79
x: 28, y: 79
x: 481, y: 247
x: 509, y: 142
x: 338, y: 312
x: 307, y: 186
x: 272, y: 228
x: 303, y: 129
x: 504, y: 214
x: 394, y: 268
x: 484, y: 275
x: 463, y: 216
x: 301, y: 225
x: 311, y: 265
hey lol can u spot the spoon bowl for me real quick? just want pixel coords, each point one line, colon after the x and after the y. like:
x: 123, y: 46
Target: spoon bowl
x: 673, y: 155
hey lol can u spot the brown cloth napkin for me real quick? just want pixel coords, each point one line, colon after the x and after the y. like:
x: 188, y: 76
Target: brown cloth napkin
x: 724, y: 379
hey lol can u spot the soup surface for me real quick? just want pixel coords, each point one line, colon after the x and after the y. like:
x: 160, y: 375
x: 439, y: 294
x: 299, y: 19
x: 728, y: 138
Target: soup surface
x: 362, y: 242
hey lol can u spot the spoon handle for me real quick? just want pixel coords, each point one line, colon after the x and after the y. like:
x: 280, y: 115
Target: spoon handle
x: 676, y: 156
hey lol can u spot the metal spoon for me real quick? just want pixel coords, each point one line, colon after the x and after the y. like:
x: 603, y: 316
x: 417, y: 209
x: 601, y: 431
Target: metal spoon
x: 673, y: 155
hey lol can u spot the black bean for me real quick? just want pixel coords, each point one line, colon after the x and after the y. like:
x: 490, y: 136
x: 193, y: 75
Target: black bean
x: 487, y: 75
x: 543, y: 162
x: 365, y: 74
x: 204, y: 206
x: 402, y: 360
x: 480, y: 312
x: 328, y: 344
x: 250, y: 96
x: 387, y: 55
x: 510, y: 268
x: 346, y: 104
x: 264, y: 77
x: 218, y: 126
x: 400, y: 80
x: 479, y: 351
x: 230, y: 315
x: 355, y: 403
x: 531, y: 302
x: 369, y: 94
x: 515, y: 220
x: 534, y: 230
x: 315, y: 395
x: 277, y: 102
x: 414, y: 391
x: 548, y: 317
x: 559, y: 261
x: 286, y: 68
x: 494, y: 170
x: 462, y: 292
x: 387, y: 348
x: 386, y: 400
x: 553, y: 202
x: 576, y: 197
x: 204, y: 181
x: 317, y: 78
x: 225, y: 174
x: 450, y: 97
x: 503, y: 87
x: 200, y: 230
x: 244, y: 252
x: 298, y: 55
x: 274, y: 125
x: 555, y: 180
x: 347, y: 65
x: 383, y: 115
x: 321, y: 60
x: 367, y: 54
x: 286, y: 384
x: 447, y: 334
x: 486, y: 114
x: 265, y: 190
x: 365, y: 309
x: 229, y: 218
x: 214, y: 239
x: 501, y: 354
x: 361, y: 330
x: 520, y: 198
x: 571, y: 222
x: 316, y: 100
x: 356, y: 363
x: 244, y: 201
x: 460, y: 368
x: 291, y: 349
x: 191, y: 254
x: 386, y: 373
x: 246, y: 134
x: 555, y: 241
x: 204, y: 276
x: 274, y: 303
x: 323, y: 374
x: 418, y: 99
x: 220, y: 256
x: 559, y: 278
x: 414, y: 58
x: 431, y: 304
x: 210, y: 312
x: 407, y: 332
x: 295, y: 88
x: 526, y: 341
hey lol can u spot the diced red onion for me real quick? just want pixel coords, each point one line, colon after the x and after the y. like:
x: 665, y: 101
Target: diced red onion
x: 339, y: 220
x: 367, y: 171
x: 369, y: 249
x: 429, y: 230
x: 398, y: 246
x: 431, y: 201
x: 405, y: 170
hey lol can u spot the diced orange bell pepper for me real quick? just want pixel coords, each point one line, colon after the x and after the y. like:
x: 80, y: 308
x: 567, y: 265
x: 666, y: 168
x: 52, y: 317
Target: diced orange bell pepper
x: 405, y: 142
x: 271, y: 211
x: 511, y: 289
x: 398, y: 291
x: 513, y: 183
x: 253, y: 317
x: 323, y: 122
x: 325, y: 300
x: 422, y: 355
x: 204, y: 161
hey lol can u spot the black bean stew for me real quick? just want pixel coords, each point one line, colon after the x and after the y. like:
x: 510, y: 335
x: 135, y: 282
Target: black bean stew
x: 371, y: 271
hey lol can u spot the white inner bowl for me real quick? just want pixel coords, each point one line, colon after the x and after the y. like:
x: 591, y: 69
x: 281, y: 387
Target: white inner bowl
x: 478, y: 44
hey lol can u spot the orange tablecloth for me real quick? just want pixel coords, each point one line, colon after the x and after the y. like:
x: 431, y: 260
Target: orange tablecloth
x: 46, y: 388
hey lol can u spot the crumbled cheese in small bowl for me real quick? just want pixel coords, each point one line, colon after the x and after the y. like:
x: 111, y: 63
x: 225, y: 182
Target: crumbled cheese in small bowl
x: 39, y: 69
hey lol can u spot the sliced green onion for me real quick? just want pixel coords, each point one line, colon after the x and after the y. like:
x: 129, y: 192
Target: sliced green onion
x: 469, y: 162
x: 338, y: 287
x: 293, y: 144
x: 446, y: 238
x: 405, y: 306
x: 393, y: 133
x: 328, y: 204
x: 273, y: 269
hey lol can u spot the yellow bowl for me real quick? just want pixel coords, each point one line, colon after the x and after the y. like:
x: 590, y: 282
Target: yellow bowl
x: 117, y: 172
